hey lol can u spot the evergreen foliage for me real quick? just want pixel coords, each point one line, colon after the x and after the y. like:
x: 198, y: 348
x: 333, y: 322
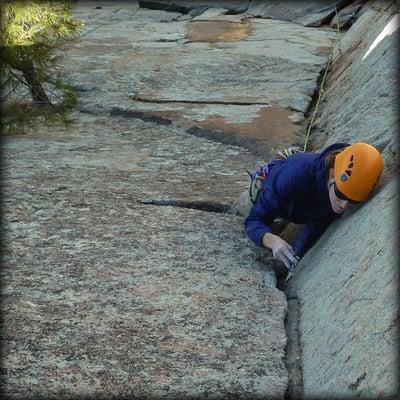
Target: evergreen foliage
x: 32, y: 35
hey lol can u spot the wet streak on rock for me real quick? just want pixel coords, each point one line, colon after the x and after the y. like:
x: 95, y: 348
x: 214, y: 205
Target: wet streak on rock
x: 269, y: 131
x: 272, y: 124
x: 217, y: 31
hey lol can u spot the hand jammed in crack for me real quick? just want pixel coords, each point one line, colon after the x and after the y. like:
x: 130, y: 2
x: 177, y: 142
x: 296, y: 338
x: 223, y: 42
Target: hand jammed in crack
x: 281, y: 250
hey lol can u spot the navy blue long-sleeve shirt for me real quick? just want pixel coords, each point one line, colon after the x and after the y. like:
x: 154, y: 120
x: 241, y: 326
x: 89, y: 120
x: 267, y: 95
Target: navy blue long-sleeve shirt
x: 296, y: 190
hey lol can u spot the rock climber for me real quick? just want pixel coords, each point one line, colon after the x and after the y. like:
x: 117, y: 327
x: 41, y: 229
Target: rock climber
x: 307, y: 188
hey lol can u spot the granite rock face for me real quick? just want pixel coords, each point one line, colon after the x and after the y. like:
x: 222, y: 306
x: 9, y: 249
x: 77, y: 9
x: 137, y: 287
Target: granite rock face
x: 104, y: 296
x: 304, y: 12
x: 361, y: 91
x: 345, y: 17
x: 193, y: 7
x: 348, y: 291
x: 347, y: 284
x: 232, y: 78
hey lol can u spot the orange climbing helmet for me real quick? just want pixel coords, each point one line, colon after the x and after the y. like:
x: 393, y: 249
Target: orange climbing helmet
x: 357, y: 170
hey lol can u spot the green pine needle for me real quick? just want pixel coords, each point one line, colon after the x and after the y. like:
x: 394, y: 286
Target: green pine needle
x: 30, y: 35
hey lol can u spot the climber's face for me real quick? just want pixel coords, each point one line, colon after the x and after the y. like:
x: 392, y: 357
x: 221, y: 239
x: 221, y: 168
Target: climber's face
x: 338, y: 204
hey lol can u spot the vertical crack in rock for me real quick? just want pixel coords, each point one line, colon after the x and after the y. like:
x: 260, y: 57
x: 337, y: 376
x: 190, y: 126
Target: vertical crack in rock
x: 315, y: 96
x: 293, y: 350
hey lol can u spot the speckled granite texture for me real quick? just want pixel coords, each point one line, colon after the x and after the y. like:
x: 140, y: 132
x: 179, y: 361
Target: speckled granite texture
x: 348, y: 284
x: 105, y: 296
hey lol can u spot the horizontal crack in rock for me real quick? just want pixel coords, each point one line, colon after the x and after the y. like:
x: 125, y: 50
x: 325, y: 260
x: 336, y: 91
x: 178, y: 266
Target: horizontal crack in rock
x: 162, y: 101
x: 120, y: 112
x: 196, y: 205
x: 194, y: 9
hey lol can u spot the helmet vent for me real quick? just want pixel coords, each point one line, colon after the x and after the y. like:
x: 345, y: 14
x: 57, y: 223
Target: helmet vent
x: 351, y: 165
x: 348, y: 172
x: 351, y: 158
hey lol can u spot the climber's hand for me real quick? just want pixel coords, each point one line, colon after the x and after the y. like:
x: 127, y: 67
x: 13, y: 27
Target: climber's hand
x: 281, y: 250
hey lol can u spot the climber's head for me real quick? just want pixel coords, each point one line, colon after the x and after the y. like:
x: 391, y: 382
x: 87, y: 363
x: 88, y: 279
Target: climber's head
x: 356, y: 171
